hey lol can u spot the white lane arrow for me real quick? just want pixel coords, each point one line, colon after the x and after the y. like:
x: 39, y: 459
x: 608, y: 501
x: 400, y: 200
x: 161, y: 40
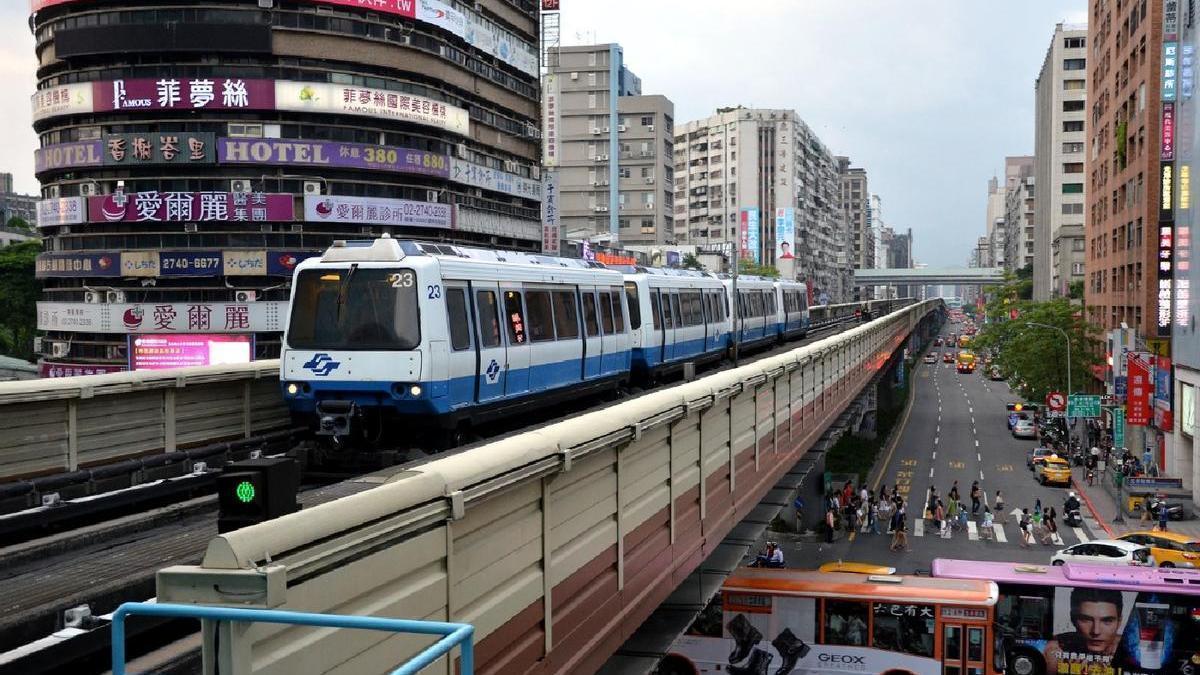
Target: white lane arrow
x: 1017, y: 513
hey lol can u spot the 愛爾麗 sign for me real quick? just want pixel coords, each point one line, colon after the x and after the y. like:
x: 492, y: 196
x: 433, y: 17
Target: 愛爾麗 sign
x: 61, y: 211
x: 173, y: 207
x: 159, y: 148
x: 377, y: 211
x: 288, y: 152
x: 318, y: 97
x: 68, y: 156
x: 160, y: 318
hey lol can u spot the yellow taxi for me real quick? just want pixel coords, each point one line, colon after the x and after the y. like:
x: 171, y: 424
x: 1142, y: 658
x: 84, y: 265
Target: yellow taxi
x: 856, y: 568
x: 1170, y: 549
x: 1054, y: 469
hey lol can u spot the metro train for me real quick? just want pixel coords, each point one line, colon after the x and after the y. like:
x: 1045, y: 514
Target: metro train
x: 452, y: 337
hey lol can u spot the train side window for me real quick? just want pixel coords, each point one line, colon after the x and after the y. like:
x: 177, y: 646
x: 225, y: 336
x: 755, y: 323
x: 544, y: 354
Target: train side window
x: 566, y: 315
x: 589, y: 314
x: 517, y: 334
x: 606, y: 315
x: 456, y: 313
x: 694, y: 306
x: 541, y: 315
x: 710, y: 314
x: 618, y: 315
x: 668, y: 321
x: 724, y: 306
x: 756, y: 304
x: 487, y: 320
x: 635, y: 309
x: 655, y: 310
x: 676, y: 312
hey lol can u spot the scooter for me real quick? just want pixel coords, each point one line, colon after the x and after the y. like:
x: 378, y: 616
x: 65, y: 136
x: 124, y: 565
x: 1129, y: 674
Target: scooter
x: 1071, y: 514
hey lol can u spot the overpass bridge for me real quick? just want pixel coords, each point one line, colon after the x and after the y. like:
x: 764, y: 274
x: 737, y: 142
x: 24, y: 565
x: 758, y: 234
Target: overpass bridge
x: 929, y: 276
x: 554, y: 543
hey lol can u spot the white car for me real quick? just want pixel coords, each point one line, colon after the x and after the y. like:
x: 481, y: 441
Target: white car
x: 1105, y: 552
x: 1024, y: 429
x: 931, y: 358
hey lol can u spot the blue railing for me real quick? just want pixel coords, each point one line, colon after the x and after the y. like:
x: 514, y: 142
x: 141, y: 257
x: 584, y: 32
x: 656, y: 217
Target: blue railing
x: 455, y: 633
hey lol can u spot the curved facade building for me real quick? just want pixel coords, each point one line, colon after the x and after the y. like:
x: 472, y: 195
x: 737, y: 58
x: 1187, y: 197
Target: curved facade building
x: 192, y: 153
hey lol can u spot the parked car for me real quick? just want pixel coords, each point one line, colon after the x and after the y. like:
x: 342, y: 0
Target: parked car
x: 1024, y: 429
x: 1170, y: 549
x: 1053, y: 469
x: 1105, y: 552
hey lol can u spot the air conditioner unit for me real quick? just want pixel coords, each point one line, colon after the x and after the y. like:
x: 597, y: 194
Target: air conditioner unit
x: 620, y: 127
x: 37, y: 345
x: 510, y: 166
x: 431, y: 195
x: 241, y: 185
x: 115, y: 297
x: 602, y: 158
x: 596, y: 183
x: 650, y: 180
x: 649, y: 127
x: 312, y: 187
x: 191, y: 228
x: 266, y: 4
x: 59, y: 350
x: 297, y: 227
x: 574, y: 76
x: 603, y: 209
x: 89, y: 189
x: 606, y: 130
x: 595, y: 131
x: 245, y: 296
x: 93, y: 297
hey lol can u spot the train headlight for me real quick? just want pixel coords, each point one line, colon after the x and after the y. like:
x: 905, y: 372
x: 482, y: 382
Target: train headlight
x: 292, y: 389
x: 415, y: 390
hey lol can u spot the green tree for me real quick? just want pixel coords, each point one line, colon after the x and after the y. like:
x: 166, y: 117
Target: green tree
x: 19, y: 290
x: 690, y: 262
x: 1035, y: 357
x: 751, y: 268
x: 1075, y: 291
x: 19, y: 223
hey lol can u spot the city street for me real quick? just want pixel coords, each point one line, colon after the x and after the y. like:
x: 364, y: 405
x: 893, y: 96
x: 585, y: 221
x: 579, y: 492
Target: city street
x: 956, y: 431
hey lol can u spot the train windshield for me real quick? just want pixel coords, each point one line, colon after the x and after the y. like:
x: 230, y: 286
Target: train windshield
x: 355, y: 309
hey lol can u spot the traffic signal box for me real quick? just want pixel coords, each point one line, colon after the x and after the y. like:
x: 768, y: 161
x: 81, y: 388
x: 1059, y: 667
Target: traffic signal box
x: 256, y: 490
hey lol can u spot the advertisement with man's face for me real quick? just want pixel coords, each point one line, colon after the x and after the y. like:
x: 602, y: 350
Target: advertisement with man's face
x: 1111, y: 632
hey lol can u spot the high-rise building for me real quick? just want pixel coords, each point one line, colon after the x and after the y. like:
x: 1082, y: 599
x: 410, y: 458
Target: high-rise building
x: 183, y: 179
x: 13, y: 205
x: 1059, y: 117
x: 614, y: 160
x: 1019, y: 211
x: 743, y: 174
x: 856, y: 209
x: 1122, y: 164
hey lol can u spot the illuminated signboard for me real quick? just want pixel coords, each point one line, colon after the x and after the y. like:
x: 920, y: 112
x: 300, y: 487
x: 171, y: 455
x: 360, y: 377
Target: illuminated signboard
x: 1168, y: 132
x: 163, y: 352
x: 1170, y: 64
x: 1166, y: 249
x: 1167, y: 192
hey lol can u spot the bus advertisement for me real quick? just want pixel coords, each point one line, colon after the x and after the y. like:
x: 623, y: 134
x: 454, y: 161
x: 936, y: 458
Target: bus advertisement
x: 808, y: 622
x: 1089, y: 619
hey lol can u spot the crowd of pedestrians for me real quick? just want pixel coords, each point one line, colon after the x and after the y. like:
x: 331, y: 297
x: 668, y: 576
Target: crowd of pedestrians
x: 867, y: 511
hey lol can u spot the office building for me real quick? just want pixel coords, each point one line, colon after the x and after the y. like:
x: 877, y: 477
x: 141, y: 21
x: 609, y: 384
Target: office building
x: 1019, y: 212
x: 614, y: 161
x: 1059, y: 138
x: 181, y: 187
x: 743, y: 175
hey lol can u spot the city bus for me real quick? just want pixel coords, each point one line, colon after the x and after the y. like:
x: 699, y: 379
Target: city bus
x: 964, y: 340
x: 966, y: 362
x: 1090, y: 618
x: 797, y: 621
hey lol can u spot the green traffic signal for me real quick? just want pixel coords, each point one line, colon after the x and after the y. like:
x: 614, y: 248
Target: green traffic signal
x: 245, y: 492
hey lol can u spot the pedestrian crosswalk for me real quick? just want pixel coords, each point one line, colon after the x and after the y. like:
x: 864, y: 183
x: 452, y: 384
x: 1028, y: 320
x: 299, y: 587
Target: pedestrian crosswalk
x: 1007, y: 532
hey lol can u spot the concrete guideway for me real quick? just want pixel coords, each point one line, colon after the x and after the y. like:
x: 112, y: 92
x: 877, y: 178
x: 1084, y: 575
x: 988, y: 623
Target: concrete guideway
x: 554, y: 543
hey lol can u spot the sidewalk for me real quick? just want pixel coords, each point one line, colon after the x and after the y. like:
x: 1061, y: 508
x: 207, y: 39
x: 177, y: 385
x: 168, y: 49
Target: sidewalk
x: 1103, y: 506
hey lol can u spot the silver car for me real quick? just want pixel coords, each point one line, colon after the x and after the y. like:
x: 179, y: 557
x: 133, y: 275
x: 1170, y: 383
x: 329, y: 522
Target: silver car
x: 1024, y: 429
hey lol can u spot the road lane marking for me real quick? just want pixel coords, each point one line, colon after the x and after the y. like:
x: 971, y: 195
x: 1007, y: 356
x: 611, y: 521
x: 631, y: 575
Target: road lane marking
x: 981, y: 474
x: 970, y: 410
x: 919, y: 527
x: 938, y: 430
x: 978, y: 457
x: 931, y: 472
x: 935, y: 440
x: 1083, y: 538
x: 935, y: 454
x: 972, y: 424
x: 977, y: 443
x: 972, y: 531
x: 1000, y: 536
x: 1056, y: 539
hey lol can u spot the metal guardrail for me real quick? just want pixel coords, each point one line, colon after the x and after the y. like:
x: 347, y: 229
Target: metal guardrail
x: 550, y: 540
x: 456, y: 634
x: 63, y: 424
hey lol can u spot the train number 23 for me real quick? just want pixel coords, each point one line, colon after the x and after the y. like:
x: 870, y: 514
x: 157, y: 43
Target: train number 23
x: 435, y: 291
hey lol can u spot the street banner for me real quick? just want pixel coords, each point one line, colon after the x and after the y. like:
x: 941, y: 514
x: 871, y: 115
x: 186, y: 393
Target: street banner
x: 1140, y: 388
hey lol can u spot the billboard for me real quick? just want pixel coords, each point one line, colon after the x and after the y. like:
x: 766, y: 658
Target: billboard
x: 785, y: 234
x: 68, y: 155
x: 1168, y: 132
x: 76, y: 369
x: 65, y: 99
x: 61, y: 211
x: 319, y: 97
x: 89, y: 264
x: 183, y: 93
x: 377, y: 210
x: 177, y: 317
x: 165, y: 148
x: 551, y: 120
x: 1138, y: 391
x: 750, y: 234
x: 164, y: 352
x: 551, y: 233
x: 292, y: 152
x: 179, y: 207
x: 477, y: 175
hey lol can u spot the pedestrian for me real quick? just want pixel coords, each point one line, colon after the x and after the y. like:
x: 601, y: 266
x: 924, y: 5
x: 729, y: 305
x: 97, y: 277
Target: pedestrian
x: 1049, y: 517
x: 962, y: 516
x: 874, y: 515
x: 1162, y: 516
x: 864, y: 494
x: 1000, y: 506
x: 939, y: 518
x: 986, y: 530
x: 1024, y: 526
x: 976, y: 494
x: 1037, y: 507
x: 952, y: 512
x: 953, y: 494
x: 829, y: 523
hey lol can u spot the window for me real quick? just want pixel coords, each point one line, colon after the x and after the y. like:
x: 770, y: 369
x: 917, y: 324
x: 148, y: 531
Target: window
x: 1073, y: 167
x: 1072, y: 209
x: 1076, y: 125
x: 1072, y: 147
x: 647, y: 120
x: 1024, y: 611
x: 1074, y: 43
x: 456, y: 313
x: 1077, y: 269
x: 589, y: 314
x: 488, y: 316
x: 356, y: 309
x: 635, y: 310
x: 606, y: 316
x: 566, y: 315
x: 618, y: 313
x: 541, y: 315
x: 591, y: 100
x: 902, y: 627
x: 1072, y: 188
x: 1072, y: 106
x: 1074, y: 85
x: 1187, y: 420
x: 846, y: 623
x: 655, y: 310
x: 592, y: 79
x: 516, y: 318
x: 666, y: 309
x: 1074, y: 64
x: 678, y: 317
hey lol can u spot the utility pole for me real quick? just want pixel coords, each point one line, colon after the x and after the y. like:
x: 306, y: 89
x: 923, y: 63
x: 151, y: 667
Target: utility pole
x: 735, y: 306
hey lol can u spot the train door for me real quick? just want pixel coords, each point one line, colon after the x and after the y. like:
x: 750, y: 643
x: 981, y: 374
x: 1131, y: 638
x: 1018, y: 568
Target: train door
x: 668, y: 321
x: 492, y: 365
x: 517, y: 378
x: 593, y: 343
x: 653, y: 340
x: 462, y: 366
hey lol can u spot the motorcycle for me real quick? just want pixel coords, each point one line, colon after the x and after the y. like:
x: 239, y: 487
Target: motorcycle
x: 1071, y: 514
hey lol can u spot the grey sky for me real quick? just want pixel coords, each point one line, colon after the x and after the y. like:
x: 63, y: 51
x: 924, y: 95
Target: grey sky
x: 927, y: 95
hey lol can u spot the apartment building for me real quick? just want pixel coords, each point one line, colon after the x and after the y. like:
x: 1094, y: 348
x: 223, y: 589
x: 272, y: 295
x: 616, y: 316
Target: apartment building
x: 1019, y: 212
x: 1060, y: 99
x: 856, y: 209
